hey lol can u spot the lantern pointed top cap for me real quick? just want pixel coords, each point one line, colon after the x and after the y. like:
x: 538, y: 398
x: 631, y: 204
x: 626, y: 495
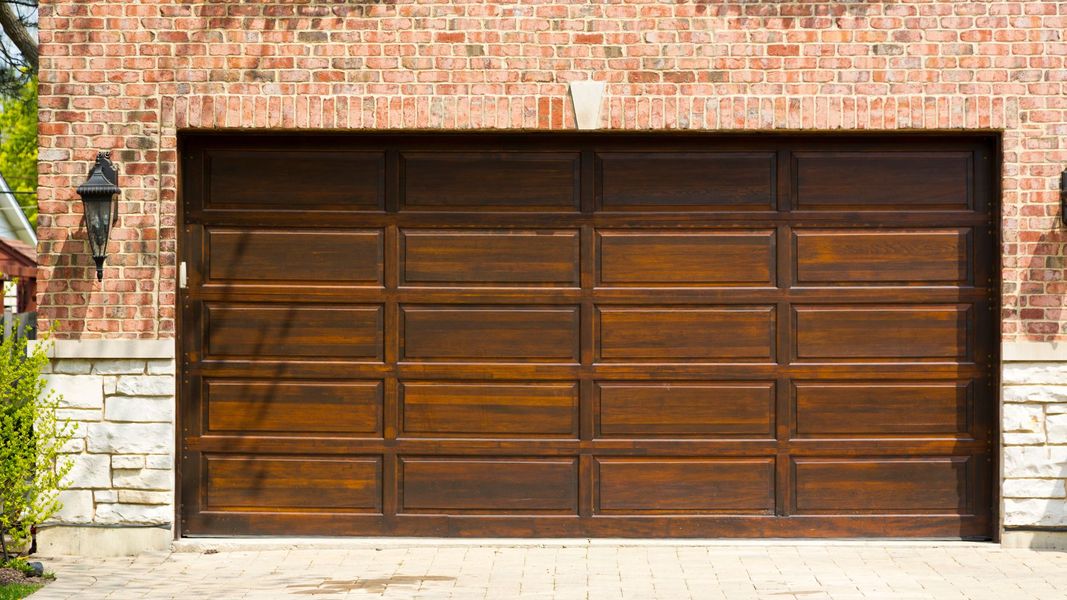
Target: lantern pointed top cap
x: 102, y: 177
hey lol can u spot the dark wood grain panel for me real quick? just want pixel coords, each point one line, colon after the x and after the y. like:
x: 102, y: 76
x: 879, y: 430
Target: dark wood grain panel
x: 690, y: 181
x: 353, y: 332
x: 574, y: 334
x: 293, y: 482
x: 686, y: 333
x: 490, y: 484
x: 880, y: 180
x: 236, y: 255
x: 935, y: 484
x: 488, y: 409
x: 871, y: 408
x: 490, y: 180
x: 686, y: 257
x: 250, y: 179
x: 685, y: 409
x: 490, y: 333
x: 685, y: 485
x: 463, y: 257
x: 886, y: 332
x: 293, y: 407
x: 883, y: 255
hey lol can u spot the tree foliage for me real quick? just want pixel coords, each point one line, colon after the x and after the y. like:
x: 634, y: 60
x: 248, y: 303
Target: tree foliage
x: 32, y: 468
x: 18, y: 147
x: 18, y: 48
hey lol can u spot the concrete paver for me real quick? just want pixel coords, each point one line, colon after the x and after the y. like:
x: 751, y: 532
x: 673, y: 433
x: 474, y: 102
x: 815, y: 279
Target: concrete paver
x: 573, y: 572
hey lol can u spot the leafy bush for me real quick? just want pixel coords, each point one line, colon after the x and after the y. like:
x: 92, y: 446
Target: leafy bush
x: 18, y: 146
x: 31, y: 436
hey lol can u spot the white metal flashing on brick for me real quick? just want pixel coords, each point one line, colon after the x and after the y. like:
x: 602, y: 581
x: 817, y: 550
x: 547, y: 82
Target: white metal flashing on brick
x: 145, y: 349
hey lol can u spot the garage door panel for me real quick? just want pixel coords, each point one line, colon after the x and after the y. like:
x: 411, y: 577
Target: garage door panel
x: 863, y: 256
x: 460, y: 257
x: 875, y: 180
x: 873, y: 408
x: 695, y: 409
x: 293, y: 407
x: 293, y: 483
x: 700, y: 181
x: 685, y: 485
x: 294, y: 330
x: 476, y: 409
x: 489, y: 485
x: 622, y: 335
x: 933, y: 484
x: 250, y: 255
x: 685, y: 258
x: 883, y: 332
x: 490, y: 333
x: 498, y: 181
x: 248, y: 179
x: 686, y: 333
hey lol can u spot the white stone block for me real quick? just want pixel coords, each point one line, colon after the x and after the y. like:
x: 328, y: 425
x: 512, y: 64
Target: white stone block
x: 159, y: 461
x: 75, y: 366
x: 1047, y: 513
x: 105, y: 496
x: 111, y: 383
x: 1024, y: 438
x: 139, y: 408
x: 1034, y: 488
x: 145, y: 514
x: 77, y: 507
x: 127, y: 461
x: 74, y: 445
x: 130, y: 438
x: 145, y: 385
x: 102, y: 542
x: 161, y: 367
x: 144, y: 497
x: 1035, y: 393
x: 587, y: 98
x: 1057, y: 429
x: 143, y: 479
x: 1035, y: 372
x: 1035, y: 461
x: 1023, y: 417
x: 89, y: 471
x: 85, y: 415
x: 1055, y: 409
x: 117, y: 366
x: 78, y: 391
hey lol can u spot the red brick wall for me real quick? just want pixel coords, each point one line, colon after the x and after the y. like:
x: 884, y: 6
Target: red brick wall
x: 128, y: 75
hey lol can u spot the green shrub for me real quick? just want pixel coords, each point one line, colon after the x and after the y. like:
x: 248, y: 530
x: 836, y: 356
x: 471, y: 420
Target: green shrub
x: 31, y: 436
x: 17, y: 591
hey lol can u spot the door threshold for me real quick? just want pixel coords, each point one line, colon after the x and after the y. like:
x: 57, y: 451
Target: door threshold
x: 247, y: 544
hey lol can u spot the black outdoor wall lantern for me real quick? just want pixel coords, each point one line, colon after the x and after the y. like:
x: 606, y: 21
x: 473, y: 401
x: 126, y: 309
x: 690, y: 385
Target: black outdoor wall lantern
x: 1063, y: 196
x: 98, y: 193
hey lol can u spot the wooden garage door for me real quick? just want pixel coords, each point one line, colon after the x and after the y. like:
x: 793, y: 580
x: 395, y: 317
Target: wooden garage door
x: 527, y: 335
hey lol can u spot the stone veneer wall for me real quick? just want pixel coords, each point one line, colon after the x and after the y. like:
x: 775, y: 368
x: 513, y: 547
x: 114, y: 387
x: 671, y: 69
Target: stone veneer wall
x: 1034, y: 444
x: 123, y: 476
